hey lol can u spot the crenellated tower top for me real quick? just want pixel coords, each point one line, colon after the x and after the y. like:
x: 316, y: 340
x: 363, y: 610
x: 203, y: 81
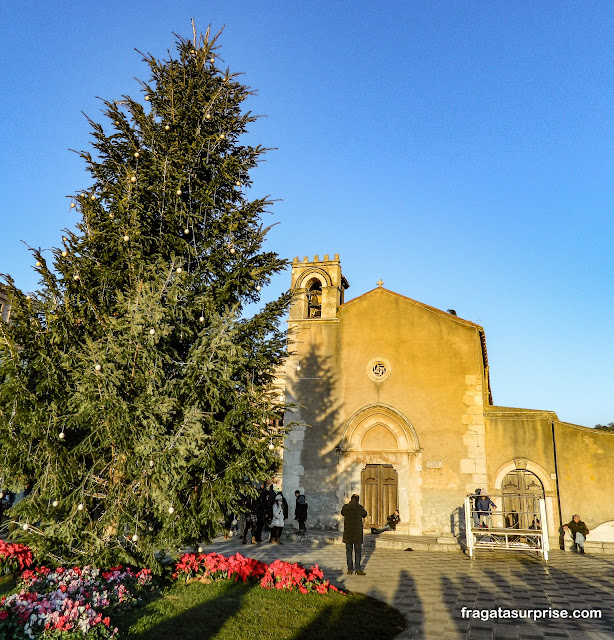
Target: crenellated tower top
x: 319, y: 286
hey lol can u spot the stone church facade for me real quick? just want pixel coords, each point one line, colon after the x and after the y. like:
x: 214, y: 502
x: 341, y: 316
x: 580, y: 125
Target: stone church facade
x: 391, y: 399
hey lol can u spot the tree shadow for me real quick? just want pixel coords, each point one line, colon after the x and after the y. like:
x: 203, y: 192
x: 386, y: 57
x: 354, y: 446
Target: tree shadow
x: 537, y: 587
x: 164, y: 616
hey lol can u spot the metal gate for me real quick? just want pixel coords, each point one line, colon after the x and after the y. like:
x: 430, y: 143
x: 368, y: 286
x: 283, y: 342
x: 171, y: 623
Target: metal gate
x: 379, y: 493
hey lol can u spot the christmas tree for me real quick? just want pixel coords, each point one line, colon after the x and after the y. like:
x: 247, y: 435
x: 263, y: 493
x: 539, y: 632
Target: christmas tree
x: 136, y: 397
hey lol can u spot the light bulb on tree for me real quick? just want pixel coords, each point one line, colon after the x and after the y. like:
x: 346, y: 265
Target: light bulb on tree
x: 207, y: 116
x: 133, y: 179
x: 271, y: 446
x: 135, y: 538
x: 126, y: 238
x: 72, y: 205
x: 171, y: 510
x: 55, y: 503
x: 64, y: 253
x: 136, y: 154
x: 152, y: 332
x: 178, y: 192
x: 93, y: 197
x: 25, y: 526
x: 146, y: 98
x: 61, y: 436
x: 38, y: 263
x: 186, y: 232
x: 166, y: 128
x: 80, y: 507
x: 75, y: 277
x: 258, y: 287
x: 179, y: 269
x: 201, y: 319
x: 98, y: 367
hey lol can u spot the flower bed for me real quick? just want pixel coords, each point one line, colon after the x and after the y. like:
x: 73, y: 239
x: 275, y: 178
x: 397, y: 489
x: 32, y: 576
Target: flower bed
x: 79, y: 602
x: 14, y: 557
x: 71, y: 602
x: 277, y: 575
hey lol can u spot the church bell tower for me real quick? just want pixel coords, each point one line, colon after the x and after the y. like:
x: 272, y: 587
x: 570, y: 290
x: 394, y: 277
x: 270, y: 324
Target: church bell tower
x: 319, y: 288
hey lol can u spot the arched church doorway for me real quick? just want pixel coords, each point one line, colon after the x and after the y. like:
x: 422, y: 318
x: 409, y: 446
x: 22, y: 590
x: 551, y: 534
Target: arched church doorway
x: 521, y: 491
x: 379, y: 493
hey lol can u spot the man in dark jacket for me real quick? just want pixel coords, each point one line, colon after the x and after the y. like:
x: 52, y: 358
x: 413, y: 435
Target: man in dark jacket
x: 578, y: 531
x: 300, y: 512
x: 353, y: 513
x: 393, y: 520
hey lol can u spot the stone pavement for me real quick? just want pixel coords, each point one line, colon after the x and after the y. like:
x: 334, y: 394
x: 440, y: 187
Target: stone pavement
x: 431, y: 588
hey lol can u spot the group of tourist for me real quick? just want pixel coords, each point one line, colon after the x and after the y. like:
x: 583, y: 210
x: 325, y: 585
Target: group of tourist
x: 268, y: 510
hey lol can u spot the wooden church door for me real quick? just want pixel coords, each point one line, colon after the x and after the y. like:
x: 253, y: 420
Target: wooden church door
x: 379, y: 489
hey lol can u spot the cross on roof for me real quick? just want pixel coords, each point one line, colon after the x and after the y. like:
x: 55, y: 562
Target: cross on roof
x: 380, y: 283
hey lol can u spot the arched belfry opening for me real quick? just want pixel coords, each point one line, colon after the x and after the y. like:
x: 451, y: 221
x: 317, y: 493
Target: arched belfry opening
x: 314, y: 298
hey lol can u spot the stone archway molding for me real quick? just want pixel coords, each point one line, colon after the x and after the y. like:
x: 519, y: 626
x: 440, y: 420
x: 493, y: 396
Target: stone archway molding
x: 319, y: 274
x: 525, y: 465
x: 374, y: 415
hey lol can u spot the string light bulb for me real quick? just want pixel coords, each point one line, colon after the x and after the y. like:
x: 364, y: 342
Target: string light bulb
x: 61, y: 436
x: 258, y: 287
x: 64, y: 253
x: 146, y: 98
x: 80, y: 507
x: 38, y: 263
x: 126, y: 238
x: 55, y: 503
x: 179, y: 269
x: 271, y: 446
x: 166, y: 128
x: 171, y: 510
x: 201, y: 319
x: 72, y: 205
x: 152, y: 332
x: 135, y: 538
x: 136, y: 154
x: 98, y: 367
x: 133, y: 179
x: 178, y: 192
x: 25, y: 526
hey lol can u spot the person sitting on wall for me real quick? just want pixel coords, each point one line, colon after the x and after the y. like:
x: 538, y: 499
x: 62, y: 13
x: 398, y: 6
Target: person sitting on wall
x: 578, y: 531
x: 393, y: 520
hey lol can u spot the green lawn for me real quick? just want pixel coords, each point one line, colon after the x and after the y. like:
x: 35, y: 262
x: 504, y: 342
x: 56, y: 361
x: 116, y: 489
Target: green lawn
x: 236, y: 611
x: 7, y: 585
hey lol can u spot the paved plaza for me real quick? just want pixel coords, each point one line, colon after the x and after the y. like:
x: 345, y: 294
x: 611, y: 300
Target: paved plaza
x: 430, y: 588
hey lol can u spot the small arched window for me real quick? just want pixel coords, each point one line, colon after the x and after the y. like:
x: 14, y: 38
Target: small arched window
x: 314, y: 299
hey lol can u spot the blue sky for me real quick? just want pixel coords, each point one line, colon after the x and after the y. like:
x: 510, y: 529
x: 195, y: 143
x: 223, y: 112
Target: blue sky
x: 463, y: 152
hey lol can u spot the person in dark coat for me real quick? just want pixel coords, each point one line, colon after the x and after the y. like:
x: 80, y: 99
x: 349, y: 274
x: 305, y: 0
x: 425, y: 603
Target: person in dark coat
x: 353, y: 513
x: 578, y: 531
x: 300, y: 512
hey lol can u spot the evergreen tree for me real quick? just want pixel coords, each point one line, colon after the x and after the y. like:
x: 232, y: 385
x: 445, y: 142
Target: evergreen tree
x: 135, y: 396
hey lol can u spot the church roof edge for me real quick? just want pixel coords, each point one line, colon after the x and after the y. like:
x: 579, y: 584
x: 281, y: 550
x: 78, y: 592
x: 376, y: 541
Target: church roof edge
x: 416, y: 302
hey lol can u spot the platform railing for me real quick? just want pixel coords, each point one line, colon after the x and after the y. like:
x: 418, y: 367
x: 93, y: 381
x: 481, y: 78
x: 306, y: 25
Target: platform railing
x: 495, y: 529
